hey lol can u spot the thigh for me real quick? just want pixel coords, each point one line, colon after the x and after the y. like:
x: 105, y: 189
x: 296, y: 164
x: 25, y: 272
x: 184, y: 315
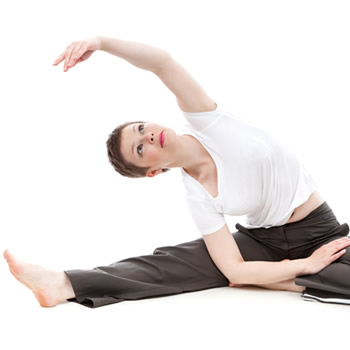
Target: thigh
x: 187, y: 266
x: 253, y: 249
x: 317, y: 229
x: 334, y: 278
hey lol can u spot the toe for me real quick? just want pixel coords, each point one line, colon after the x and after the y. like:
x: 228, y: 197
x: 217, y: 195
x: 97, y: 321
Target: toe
x: 14, y: 264
x: 6, y: 254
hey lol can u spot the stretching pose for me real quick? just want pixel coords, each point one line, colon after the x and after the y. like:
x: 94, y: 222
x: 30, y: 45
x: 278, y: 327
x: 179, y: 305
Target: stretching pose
x: 292, y: 240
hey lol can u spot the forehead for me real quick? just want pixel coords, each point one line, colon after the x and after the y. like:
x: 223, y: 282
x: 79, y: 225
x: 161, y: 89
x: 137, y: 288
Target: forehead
x: 126, y: 141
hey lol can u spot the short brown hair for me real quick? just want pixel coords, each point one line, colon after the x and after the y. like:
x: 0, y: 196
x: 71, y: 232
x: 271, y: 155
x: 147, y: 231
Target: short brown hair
x: 119, y: 163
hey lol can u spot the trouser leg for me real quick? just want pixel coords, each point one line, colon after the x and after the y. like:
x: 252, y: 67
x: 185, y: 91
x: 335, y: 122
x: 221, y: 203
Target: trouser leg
x: 322, y: 229
x: 334, y: 278
x: 331, y: 285
x: 170, y: 270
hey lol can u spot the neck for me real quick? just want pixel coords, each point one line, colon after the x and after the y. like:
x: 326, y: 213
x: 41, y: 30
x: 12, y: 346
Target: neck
x: 191, y: 155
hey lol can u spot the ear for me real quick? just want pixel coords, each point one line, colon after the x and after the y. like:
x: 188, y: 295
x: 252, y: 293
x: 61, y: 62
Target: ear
x: 154, y: 172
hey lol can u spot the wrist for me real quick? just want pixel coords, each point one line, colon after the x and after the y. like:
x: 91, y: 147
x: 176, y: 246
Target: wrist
x: 98, y: 42
x: 304, y: 264
x: 297, y: 267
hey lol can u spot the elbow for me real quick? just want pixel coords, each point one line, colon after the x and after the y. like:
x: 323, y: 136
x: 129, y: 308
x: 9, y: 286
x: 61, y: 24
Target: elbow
x: 234, y: 279
x: 163, y: 62
x: 235, y: 274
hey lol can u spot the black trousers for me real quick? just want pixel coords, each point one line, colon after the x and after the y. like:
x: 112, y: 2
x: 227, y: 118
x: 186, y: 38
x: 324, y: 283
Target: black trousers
x: 187, y: 267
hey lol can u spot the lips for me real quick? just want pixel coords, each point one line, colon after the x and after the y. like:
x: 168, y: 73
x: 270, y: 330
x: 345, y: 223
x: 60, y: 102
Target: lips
x: 161, y: 139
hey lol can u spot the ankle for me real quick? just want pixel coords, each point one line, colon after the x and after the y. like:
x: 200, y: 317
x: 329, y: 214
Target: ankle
x: 64, y: 286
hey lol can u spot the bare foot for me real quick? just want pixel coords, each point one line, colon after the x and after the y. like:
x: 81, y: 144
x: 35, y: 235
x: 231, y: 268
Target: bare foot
x: 49, y: 287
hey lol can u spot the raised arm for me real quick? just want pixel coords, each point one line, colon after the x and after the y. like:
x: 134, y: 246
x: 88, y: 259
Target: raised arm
x: 189, y: 94
x: 226, y: 255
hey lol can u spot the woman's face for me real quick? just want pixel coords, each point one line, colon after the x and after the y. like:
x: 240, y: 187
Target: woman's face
x: 149, y: 145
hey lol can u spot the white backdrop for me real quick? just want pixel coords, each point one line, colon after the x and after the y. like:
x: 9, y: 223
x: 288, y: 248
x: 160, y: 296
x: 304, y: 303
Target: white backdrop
x: 281, y: 65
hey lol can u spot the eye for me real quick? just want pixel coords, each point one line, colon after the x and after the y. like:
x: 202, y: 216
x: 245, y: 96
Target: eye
x: 139, y: 149
x: 141, y: 128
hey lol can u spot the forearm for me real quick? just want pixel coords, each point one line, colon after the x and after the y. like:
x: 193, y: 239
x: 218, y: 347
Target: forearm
x: 283, y: 285
x: 263, y: 273
x: 140, y: 55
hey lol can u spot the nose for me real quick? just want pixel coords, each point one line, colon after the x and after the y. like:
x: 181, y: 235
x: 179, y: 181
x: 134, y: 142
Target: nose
x: 150, y: 137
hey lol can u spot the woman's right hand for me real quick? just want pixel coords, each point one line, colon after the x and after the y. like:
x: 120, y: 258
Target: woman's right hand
x: 326, y: 254
x: 78, y: 51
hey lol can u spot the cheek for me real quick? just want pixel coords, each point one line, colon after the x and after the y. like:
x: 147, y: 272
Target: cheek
x: 152, y: 155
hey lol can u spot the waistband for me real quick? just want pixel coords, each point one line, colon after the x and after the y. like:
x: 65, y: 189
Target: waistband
x: 324, y: 209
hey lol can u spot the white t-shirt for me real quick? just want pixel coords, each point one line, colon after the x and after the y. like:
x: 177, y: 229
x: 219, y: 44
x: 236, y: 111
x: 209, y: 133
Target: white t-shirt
x: 257, y: 176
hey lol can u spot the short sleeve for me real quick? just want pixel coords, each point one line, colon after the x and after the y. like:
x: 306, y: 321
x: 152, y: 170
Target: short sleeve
x: 207, y: 219
x: 200, y: 121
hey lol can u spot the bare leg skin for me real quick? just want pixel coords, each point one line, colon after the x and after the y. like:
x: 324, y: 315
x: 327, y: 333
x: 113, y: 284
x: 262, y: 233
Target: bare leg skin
x: 49, y: 287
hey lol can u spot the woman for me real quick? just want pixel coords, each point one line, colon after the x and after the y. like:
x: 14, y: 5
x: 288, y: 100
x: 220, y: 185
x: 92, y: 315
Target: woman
x: 293, y: 240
